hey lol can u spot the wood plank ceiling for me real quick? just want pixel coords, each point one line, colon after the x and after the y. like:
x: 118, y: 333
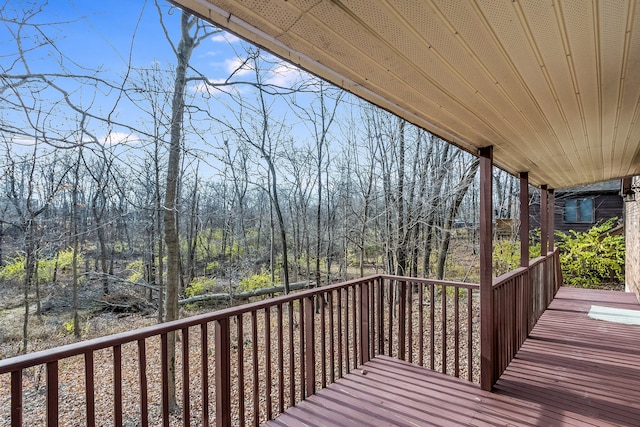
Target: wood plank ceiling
x: 553, y: 85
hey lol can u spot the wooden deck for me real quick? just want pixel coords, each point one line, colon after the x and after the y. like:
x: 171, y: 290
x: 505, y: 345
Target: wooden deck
x: 571, y: 371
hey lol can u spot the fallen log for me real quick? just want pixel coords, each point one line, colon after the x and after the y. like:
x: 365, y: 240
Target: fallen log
x: 245, y: 295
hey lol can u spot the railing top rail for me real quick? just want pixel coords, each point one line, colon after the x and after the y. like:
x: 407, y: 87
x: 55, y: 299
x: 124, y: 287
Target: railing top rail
x: 534, y: 262
x: 502, y: 279
x: 80, y: 348
x: 431, y: 281
x: 75, y: 349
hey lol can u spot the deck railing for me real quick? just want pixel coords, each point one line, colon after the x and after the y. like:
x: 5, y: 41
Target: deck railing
x: 246, y: 364
x: 519, y: 299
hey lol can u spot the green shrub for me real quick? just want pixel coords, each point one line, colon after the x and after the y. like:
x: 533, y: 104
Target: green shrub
x: 14, y: 270
x: 136, y: 271
x: 201, y: 285
x: 506, y: 256
x: 257, y: 281
x: 593, y: 257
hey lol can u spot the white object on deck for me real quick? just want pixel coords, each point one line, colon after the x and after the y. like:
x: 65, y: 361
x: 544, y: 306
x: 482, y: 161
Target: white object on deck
x: 617, y: 315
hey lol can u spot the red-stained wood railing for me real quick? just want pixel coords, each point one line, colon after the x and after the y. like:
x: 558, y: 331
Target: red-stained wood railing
x: 246, y: 364
x: 519, y: 299
x: 430, y: 323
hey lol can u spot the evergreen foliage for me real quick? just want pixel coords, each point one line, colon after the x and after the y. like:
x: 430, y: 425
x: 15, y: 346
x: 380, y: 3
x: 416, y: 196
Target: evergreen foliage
x: 592, y: 258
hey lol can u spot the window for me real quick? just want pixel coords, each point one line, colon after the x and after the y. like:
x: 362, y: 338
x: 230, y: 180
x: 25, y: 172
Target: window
x: 578, y: 210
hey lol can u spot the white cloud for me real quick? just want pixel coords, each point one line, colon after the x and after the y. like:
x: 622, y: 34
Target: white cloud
x: 116, y: 138
x: 203, y: 87
x: 237, y: 65
x: 225, y: 38
x: 285, y: 75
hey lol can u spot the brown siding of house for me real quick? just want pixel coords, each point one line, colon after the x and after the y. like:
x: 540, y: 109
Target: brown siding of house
x: 632, y: 241
x: 606, y: 206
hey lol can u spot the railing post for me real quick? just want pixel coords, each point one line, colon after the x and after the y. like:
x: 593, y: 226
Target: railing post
x: 52, y: 394
x: 527, y: 301
x: 16, y: 398
x: 544, y: 220
x: 524, y: 219
x: 487, y: 337
x: 364, y: 322
x: 552, y: 221
x: 223, y: 373
x: 380, y: 315
x: 309, y: 347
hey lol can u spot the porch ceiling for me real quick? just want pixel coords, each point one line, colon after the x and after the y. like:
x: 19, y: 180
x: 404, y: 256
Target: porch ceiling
x: 553, y: 85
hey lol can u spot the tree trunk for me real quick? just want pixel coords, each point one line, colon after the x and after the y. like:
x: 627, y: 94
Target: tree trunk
x: 183, y: 54
x: 401, y: 248
x: 76, y: 239
x: 461, y: 190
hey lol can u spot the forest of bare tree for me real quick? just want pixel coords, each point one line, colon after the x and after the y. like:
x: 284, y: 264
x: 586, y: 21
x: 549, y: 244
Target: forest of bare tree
x: 157, y: 184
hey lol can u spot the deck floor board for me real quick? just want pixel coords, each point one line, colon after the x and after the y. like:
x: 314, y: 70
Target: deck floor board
x: 572, y: 371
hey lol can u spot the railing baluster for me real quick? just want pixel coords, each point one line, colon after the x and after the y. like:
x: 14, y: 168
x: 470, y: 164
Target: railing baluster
x: 456, y: 331
x: 410, y: 321
x: 340, y: 333
x: 354, y: 326
x: 16, y: 398
x: 470, y: 334
x: 89, y: 391
x: 346, y: 331
x: 280, y: 361
x: 432, y: 326
x: 392, y: 310
x: 443, y: 300
x: 372, y: 317
x: 117, y: 384
x: 309, y: 346
x: 142, y: 378
x: 186, y: 399
x: 223, y: 372
x: 292, y: 369
x: 514, y: 316
x: 323, y: 343
x: 204, y: 362
x: 164, y: 363
x: 256, y: 379
x: 380, y: 316
x: 267, y: 361
x: 332, y: 336
x: 402, y: 320
x: 240, y: 372
x: 421, y: 323
x: 364, y: 323
x: 303, y: 371
x: 52, y: 394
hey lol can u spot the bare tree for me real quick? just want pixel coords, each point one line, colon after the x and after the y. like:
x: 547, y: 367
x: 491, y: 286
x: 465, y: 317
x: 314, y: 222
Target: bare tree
x: 29, y: 201
x: 192, y: 32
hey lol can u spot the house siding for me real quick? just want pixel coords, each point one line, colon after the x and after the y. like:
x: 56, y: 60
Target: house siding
x: 632, y: 241
x: 605, y: 206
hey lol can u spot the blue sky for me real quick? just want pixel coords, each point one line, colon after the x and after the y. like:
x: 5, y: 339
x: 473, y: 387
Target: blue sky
x: 100, y: 33
x: 106, y: 35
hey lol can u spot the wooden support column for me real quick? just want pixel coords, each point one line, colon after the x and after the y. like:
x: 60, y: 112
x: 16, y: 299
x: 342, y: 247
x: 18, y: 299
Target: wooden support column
x: 487, y: 332
x: 544, y: 220
x: 552, y: 220
x: 524, y: 219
